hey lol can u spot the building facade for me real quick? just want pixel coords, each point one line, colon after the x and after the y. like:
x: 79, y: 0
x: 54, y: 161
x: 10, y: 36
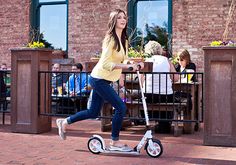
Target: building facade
x: 194, y: 23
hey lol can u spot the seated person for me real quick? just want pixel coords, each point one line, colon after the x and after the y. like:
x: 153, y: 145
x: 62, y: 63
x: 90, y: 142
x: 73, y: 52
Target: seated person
x: 58, y: 79
x: 77, y: 85
x: 185, y: 63
x: 78, y: 82
x: 158, y: 88
x: 3, y: 66
x: 160, y: 64
x: 2, y: 91
x: 7, y: 78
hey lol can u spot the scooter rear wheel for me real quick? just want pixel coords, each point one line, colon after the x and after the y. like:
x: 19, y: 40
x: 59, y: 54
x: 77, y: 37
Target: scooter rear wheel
x: 95, y: 145
x: 157, y: 149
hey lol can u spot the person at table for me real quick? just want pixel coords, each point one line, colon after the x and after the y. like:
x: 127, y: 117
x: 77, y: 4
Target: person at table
x: 3, y: 66
x: 3, y: 90
x: 154, y: 81
x: 77, y: 85
x: 158, y: 88
x: 107, y: 70
x: 58, y: 79
x: 7, y: 78
x: 78, y: 81
x: 184, y: 63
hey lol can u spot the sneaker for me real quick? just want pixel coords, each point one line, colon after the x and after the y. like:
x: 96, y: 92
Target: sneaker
x: 117, y: 146
x: 124, y: 148
x: 61, y: 131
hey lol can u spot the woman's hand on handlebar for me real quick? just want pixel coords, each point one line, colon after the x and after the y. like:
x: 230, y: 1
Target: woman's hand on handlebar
x: 136, y: 66
x: 141, y: 64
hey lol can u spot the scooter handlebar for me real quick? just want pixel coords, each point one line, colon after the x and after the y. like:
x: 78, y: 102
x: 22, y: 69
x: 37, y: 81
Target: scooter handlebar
x: 131, y: 68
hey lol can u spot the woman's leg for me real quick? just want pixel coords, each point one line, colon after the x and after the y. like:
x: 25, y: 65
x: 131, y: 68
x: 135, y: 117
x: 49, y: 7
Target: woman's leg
x: 106, y: 92
x: 103, y: 91
x: 92, y: 112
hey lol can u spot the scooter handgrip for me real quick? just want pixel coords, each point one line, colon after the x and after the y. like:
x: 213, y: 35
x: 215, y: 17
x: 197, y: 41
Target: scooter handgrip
x: 130, y: 68
x: 139, y: 66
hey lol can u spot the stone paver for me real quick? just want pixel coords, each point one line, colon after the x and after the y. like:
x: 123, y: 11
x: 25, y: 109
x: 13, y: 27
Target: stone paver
x: 48, y: 149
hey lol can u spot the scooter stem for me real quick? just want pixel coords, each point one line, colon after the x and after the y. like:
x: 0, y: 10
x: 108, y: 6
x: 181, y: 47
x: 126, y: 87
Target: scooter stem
x: 143, y: 100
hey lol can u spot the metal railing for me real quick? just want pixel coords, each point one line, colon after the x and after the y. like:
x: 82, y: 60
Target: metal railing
x: 66, y: 97
x: 185, y: 104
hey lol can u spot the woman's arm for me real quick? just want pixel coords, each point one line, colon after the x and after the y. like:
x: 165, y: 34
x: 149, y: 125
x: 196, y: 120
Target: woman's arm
x: 174, y: 77
x: 127, y: 66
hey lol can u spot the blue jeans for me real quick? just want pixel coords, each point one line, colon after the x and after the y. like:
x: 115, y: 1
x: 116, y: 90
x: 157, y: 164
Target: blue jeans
x: 103, y: 91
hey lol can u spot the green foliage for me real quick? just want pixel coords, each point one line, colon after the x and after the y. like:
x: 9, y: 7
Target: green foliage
x: 174, y: 59
x: 137, y: 52
x: 156, y: 33
x: 46, y: 43
x: 133, y: 53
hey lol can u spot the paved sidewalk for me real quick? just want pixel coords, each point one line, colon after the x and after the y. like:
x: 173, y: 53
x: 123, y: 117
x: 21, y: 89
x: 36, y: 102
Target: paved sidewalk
x: 48, y: 149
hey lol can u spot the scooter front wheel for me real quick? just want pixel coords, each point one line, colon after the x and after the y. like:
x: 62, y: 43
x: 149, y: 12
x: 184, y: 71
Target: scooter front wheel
x: 95, y: 145
x: 155, y: 150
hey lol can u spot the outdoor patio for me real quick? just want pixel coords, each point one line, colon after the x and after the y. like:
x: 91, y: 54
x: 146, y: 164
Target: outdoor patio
x: 200, y: 119
x: 47, y: 148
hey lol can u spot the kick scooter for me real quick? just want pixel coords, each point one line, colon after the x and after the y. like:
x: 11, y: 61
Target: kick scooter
x: 153, y: 147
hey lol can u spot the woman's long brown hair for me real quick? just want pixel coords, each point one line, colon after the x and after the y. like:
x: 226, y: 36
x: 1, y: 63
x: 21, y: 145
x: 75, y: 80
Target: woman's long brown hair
x: 112, y: 33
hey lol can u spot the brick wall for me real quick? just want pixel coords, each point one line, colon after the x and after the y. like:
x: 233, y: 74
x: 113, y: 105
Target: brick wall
x: 87, y: 26
x: 197, y: 23
x: 14, y: 18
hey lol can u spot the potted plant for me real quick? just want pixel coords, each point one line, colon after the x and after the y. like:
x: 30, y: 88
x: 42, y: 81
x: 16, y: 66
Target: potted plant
x: 174, y: 59
x: 27, y: 62
x: 136, y: 55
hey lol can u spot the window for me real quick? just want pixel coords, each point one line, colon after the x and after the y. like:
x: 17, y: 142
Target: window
x: 51, y: 0
x: 150, y: 20
x: 51, y: 20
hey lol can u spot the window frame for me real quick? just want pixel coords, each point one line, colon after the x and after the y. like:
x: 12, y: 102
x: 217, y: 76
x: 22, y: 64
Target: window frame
x: 35, y: 15
x: 132, y: 15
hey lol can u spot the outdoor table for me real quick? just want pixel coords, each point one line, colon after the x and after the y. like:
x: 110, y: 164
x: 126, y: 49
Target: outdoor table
x: 192, y: 88
x: 70, y: 104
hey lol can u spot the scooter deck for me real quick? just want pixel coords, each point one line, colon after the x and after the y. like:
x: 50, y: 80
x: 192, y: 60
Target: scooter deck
x: 131, y: 152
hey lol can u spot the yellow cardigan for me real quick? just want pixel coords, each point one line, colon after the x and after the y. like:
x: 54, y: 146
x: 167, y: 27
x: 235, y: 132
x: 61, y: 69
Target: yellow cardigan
x: 104, y: 69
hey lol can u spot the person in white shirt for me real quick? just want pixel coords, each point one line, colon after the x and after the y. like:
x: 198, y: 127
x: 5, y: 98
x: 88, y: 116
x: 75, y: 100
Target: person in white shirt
x: 158, y: 87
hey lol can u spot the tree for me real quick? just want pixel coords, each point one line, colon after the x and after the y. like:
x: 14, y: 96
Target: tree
x: 156, y: 33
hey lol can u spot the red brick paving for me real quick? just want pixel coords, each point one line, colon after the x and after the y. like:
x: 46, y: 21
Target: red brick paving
x: 48, y: 149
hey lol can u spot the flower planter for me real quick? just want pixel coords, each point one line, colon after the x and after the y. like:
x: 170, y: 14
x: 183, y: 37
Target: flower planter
x: 220, y: 96
x: 137, y: 59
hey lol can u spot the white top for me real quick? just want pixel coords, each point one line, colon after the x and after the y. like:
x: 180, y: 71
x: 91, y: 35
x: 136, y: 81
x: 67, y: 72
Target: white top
x: 160, y: 64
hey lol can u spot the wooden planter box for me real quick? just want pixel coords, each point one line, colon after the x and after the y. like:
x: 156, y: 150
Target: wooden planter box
x: 220, y: 96
x: 25, y: 91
